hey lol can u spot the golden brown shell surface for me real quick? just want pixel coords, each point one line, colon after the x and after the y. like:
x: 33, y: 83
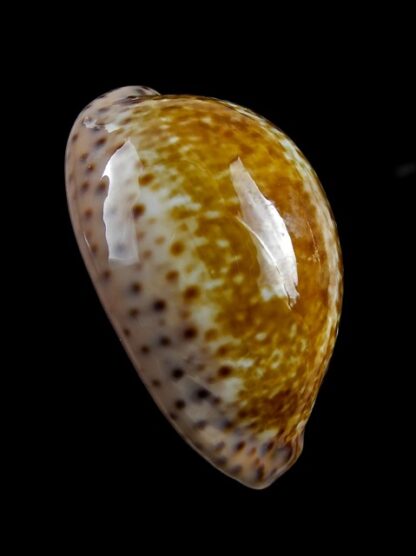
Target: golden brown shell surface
x: 213, y: 249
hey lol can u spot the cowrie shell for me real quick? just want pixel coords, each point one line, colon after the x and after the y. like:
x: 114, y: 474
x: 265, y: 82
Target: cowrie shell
x: 213, y: 249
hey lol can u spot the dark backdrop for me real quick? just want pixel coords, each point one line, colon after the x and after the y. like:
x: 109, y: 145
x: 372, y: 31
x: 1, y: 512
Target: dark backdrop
x: 112, y: 449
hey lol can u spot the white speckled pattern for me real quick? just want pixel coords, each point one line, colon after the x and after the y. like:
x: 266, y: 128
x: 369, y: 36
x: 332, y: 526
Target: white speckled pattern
x: 213, y: 250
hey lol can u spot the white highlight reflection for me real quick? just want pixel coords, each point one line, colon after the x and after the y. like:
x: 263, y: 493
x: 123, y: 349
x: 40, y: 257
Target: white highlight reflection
x: 275, y: 252
x: 123, y: 194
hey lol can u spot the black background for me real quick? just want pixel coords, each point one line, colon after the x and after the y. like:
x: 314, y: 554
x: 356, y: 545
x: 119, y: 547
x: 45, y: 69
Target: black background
x: 111, y: 452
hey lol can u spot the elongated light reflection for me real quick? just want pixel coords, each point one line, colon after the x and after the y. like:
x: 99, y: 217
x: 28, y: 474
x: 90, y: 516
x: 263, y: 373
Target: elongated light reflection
x: 275, y: 253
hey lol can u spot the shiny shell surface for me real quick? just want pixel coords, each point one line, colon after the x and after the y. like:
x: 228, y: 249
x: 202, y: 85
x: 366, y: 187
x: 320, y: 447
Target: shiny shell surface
x: 213, y: 249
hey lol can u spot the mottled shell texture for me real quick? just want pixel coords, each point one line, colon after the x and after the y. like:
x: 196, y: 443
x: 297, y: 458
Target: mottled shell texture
x: 214, y: 252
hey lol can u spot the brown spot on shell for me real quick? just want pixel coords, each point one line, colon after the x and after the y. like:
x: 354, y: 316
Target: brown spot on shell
x: 138, y: 210
x: 134, y: 312
x: 172, y: 275
x: 224, y: 371
x: 136, y: 288
x: 159, y: 305
x: 146, y: 179
x: 191, y: 293
x: 100, y: 142
x: 101, y: 187
x: 211, y: 334
x: 202, y: 394
x: 177, y: 248
x: 190, y: 333
x: 226, y: 424
x: 260, y: 473
x: 177, y: 373
x: 222, y: 350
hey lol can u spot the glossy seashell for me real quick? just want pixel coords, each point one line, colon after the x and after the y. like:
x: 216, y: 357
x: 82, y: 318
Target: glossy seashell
x: 213, y: 249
